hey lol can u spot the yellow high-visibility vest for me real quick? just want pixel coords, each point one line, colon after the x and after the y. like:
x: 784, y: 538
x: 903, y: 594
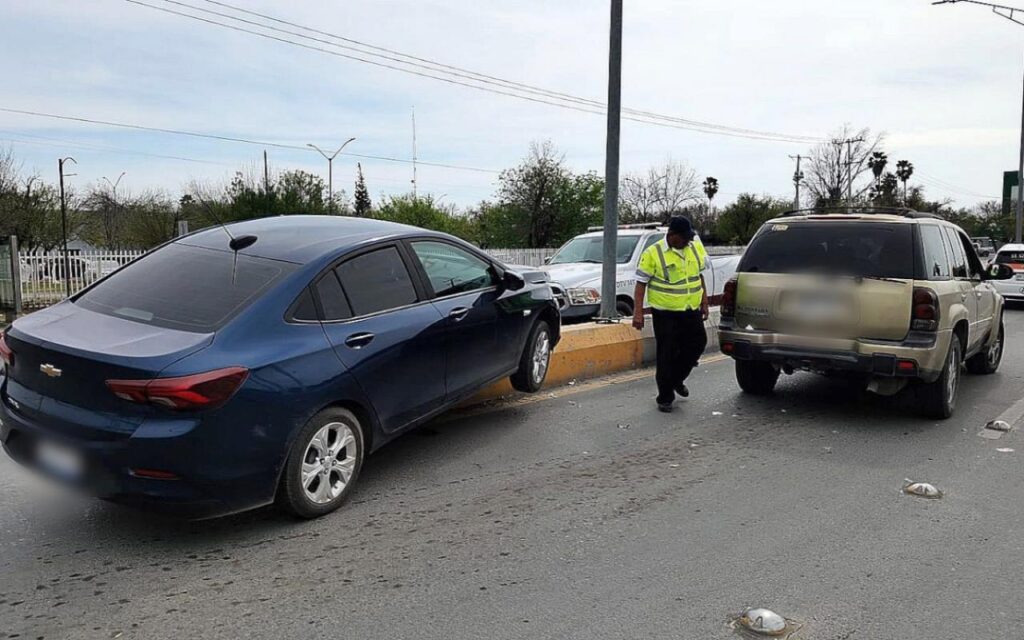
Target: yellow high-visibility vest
x: 674, y: 275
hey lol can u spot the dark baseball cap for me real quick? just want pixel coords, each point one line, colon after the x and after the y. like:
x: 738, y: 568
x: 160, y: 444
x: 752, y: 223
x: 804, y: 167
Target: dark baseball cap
x: 681, y: 225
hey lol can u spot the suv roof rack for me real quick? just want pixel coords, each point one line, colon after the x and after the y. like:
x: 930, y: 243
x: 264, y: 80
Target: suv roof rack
x: 871, y: 210
x: 640, y: 225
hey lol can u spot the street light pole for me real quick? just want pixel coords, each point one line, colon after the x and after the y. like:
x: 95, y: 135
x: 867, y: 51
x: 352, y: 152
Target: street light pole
x: 1011, y: 14
x: 609, y: 265
x: 64, y: 224
x: 330, y: 170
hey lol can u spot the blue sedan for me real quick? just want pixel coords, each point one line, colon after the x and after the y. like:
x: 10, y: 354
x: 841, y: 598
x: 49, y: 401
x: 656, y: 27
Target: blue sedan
x: 263, y: 361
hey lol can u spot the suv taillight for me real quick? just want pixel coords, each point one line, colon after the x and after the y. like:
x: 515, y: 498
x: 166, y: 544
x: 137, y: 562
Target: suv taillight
x: 6, y: 355
x: 925, y: 316
x: 729, y: 299
x: 200, y: 391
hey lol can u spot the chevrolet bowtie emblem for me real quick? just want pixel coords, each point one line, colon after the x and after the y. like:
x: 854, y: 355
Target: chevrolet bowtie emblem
x: 50, y: 370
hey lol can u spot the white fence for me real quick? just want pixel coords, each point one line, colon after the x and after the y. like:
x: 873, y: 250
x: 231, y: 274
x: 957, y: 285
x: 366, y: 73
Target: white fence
x: 46, y: 279
x: 525, y: 257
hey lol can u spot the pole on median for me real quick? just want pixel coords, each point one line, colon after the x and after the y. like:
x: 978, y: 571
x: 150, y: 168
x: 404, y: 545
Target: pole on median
x: 64, y: 224
x: 609, y: 265
x: 1020, y: 181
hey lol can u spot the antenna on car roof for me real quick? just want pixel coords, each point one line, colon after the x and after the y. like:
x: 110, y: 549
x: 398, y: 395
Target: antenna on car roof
x: 235, y: 244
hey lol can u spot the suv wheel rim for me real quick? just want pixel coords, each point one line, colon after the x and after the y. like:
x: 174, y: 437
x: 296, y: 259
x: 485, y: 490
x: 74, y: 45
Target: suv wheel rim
x: 541, y: 356
x: 996, y: 350
x: 954, y: 376
x: 328, y: 462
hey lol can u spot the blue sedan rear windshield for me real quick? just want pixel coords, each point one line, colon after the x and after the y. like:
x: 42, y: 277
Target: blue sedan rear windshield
x: 184, y: 287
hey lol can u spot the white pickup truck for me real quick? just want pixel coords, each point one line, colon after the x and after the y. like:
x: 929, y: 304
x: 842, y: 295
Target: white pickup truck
x: 575, y: 270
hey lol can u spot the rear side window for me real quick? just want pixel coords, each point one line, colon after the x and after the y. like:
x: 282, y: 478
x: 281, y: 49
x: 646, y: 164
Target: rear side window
x: 332, y: 298
x: 838, y: 248
x: 1010, y: 257
x: 376, y: 281
x: 184, y: 287
x: 957, y: 259
x: 936, y: 265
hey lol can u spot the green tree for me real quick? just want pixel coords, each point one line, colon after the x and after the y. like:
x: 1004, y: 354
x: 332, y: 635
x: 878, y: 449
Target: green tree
x: 541, y: 203
x: 904, y: 170
x: 426, y: 212
x: 363, y: 204
x: 877, y: 163
x: 740, y: 220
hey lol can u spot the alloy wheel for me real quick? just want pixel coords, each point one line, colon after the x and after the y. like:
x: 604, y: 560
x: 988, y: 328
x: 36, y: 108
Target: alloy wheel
x: 541, y: 356
x: 328, y: 462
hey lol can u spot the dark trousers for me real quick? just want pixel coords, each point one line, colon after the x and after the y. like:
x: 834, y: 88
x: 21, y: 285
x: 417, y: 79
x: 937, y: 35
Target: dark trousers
x: 681, y: 340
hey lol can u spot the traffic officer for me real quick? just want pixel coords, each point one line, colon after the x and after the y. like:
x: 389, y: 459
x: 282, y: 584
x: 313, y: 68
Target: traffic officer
x: 670, y: 275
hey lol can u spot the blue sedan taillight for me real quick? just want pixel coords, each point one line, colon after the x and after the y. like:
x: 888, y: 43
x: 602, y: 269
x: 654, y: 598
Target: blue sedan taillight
x: 199, y: 391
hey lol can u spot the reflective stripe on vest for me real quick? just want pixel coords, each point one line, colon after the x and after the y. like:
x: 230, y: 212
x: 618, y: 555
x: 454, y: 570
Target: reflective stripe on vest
x: 676, y: 295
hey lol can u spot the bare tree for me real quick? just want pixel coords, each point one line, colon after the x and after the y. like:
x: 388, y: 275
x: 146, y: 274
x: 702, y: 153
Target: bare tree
x: 662, y: 192
x: 834, y: 165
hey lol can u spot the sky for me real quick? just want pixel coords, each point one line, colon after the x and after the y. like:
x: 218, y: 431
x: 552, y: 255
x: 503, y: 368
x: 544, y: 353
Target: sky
x: 942, y: 82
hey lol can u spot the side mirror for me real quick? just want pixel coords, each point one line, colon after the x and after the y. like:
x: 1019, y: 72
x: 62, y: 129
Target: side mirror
x: 547, y: 260
x: 999, y: 271
x: 512, y: 281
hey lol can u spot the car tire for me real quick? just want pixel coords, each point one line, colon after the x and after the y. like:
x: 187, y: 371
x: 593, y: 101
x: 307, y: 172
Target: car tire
x: 624, y: 308
x: 987, y: 362
x: 756, y: 378
x: 323, y: 464
x: 535, y: 360
x: 938, y: 399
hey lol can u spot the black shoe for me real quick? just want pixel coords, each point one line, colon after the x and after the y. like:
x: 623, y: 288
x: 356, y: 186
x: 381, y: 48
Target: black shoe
x: 683, y: 391
x: 665, y: 408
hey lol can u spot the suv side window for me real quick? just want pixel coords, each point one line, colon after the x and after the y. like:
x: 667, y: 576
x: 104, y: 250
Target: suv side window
x: 376, y: 281
x: 332, y: 298
x: 936, y: 264
x: 957, y: 259
x: 452, y: 270
x: 973, y: 262
x: 650, y: 242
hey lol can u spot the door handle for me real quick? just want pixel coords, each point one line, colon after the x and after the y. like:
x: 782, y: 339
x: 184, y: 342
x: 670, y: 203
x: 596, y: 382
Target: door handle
x: 458, y: 314
x: 963, y: 296
x: 359, y: 340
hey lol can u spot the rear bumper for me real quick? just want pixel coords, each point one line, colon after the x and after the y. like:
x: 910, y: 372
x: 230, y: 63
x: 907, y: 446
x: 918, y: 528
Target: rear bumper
x: 875, y: 358
x: 1009, y: 289
x: 174, y: 446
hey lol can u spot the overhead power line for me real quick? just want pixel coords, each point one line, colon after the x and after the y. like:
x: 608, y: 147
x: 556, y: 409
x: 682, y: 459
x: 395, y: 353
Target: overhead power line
x: 397, y: 61
x: 18, y: 137
x: 223, y: 138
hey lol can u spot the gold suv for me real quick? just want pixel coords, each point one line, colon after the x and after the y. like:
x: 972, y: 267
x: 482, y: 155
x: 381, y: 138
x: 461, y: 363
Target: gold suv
x: 886, y: 297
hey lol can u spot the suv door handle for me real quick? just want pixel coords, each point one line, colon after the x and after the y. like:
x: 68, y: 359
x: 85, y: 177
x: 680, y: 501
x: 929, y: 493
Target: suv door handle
x: 963, y: 296
x: 458, y: 314
x: 359, y: 340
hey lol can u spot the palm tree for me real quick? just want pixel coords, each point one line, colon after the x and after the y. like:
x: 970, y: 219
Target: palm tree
x: 904, y: 169
x: 877, y: 163
x: 710, y: 189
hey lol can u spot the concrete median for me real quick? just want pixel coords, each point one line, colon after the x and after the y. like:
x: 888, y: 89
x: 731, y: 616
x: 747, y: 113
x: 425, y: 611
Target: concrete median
x: 593, y: 350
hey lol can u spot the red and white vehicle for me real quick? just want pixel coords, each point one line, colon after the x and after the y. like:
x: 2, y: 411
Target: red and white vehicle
x: 1013, y: 256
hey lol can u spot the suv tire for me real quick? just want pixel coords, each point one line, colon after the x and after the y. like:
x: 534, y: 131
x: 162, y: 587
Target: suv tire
x: 938, y: 399
x: 987, y: 361
x: 756, y: 378
x: 624, y: 308
x: 535, y: 361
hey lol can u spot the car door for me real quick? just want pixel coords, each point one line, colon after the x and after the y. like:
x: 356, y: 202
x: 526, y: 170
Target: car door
x: 961, y: 276
x: 465, y: 292
x: 385, y: 333
x: 984, y: 293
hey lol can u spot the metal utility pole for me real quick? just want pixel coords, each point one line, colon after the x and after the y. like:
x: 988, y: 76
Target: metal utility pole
x: 266, y: 181
x: 64, y: 223
x: 798, y: 177
x: 414, y: 153
x: 330, y: 170
x: 611, y: 169
x: 1011, y: 14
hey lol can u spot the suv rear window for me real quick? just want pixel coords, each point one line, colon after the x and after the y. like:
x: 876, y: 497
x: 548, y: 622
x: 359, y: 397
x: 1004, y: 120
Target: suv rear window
x: 1010, y: 257
x: 184, y: 287
x: 841, y: 248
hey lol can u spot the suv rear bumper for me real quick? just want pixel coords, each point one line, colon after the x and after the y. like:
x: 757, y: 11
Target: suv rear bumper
x: 878, y: 358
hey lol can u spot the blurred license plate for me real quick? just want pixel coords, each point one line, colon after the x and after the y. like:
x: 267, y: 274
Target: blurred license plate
x: 817, y: 305
x: 60, y: 460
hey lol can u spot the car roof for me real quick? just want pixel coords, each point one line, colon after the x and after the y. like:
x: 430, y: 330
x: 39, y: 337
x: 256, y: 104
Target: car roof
x: 624, y: 232
x: 854, y: 217
x: 1011, y: 247
x: 301, y: 238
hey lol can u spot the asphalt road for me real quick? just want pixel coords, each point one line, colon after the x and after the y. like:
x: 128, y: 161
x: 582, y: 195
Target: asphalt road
x: 583, y: 515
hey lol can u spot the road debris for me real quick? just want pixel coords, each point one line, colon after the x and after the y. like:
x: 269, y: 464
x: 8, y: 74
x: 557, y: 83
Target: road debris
x: 921, y: 489
x: 716, y: 413
x: 694, y: 445
x: 998, y: 425
x: 674, y: 465
x: 623, y: 426
x: 1004, y: 450
x: 764, y: 622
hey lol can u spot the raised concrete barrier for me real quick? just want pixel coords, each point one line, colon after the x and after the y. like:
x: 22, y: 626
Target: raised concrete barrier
x: 593, y: 350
